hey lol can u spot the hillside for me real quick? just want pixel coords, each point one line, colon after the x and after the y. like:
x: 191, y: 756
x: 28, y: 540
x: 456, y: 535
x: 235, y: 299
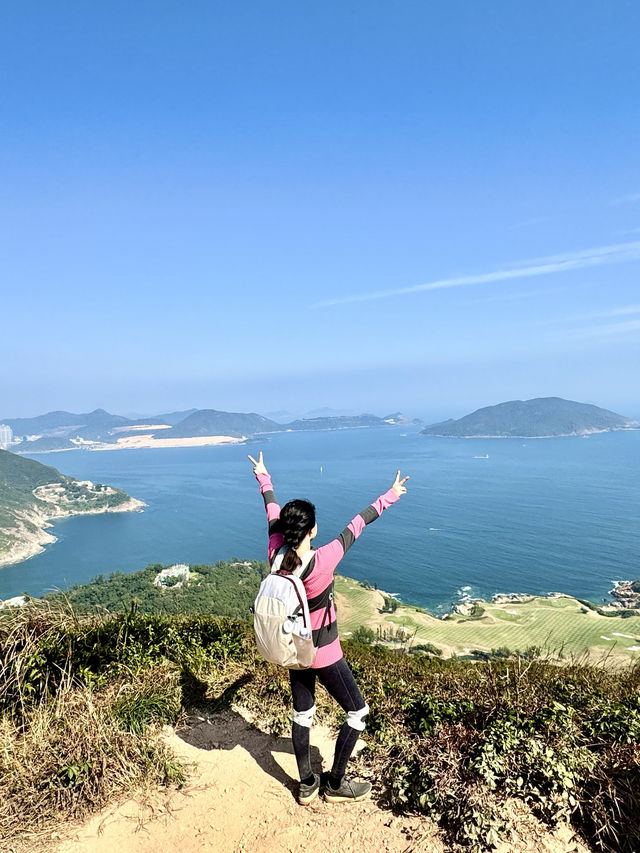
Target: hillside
x: 170, y: 418
x: 62, y: 421
x: 31, y: 494
x: 212, y: 422
x: 540, y: 418
x: 337, y: 422
x: 55, y: 429
x: 99, y: 430
x: 223, y: 589
x: 462, y: 755
x: 558, y: 626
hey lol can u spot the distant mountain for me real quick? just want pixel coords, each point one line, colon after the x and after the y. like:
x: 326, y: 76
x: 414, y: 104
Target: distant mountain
x: 281, y: 416
x: 94, y: 430
x: 58, y: 430
x: 212, y: 422
x: 64, y: 421
x: 542, y: 417
x: 328, y: 412
x: 344, y: 422
x: 172, y: 418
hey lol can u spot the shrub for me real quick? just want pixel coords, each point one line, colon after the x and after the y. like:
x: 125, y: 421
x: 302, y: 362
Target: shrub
x: 427, y: 648
x: 154, y: 697
x: 362, y: 634
x: 83, y: 697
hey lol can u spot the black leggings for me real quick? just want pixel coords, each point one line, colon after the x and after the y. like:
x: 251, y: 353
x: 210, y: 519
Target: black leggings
x: 339, y: 682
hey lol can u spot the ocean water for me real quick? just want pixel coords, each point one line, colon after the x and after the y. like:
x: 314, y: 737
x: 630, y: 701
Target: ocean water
x: 535, y: 516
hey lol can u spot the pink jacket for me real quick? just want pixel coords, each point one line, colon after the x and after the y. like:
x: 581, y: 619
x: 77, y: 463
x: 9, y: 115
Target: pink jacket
x: 319, y: 581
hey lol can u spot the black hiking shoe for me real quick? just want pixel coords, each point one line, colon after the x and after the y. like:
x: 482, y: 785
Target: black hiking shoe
x: 308, y: 793
x: 349, y: 791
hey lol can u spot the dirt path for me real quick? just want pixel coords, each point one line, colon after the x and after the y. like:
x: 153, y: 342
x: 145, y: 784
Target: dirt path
x: 240, y: 799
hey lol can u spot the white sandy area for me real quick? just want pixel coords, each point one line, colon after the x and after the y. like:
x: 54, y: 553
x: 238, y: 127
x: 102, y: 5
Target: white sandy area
x: 141, y: 427
x: 147, y: 440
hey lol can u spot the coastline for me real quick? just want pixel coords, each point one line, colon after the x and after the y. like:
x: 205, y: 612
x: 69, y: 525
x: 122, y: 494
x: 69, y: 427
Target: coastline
x: 582, y: 434
x: 558, y: 626
x: 32, y: 529
x: 144, y: 441
x: 147, y: 440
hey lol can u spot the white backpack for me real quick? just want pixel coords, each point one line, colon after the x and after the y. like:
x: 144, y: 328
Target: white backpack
x: 281, y: 616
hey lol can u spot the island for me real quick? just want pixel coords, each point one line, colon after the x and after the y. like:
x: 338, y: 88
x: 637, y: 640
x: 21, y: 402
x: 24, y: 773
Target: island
x: 543, y: 417
x: 33, y: 494
x: 100, y: 430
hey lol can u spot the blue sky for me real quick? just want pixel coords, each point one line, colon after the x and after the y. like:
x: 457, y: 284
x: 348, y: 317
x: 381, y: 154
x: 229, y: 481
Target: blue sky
x: 425, y: 206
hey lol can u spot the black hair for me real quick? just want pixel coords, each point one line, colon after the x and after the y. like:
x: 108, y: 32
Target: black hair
x: 297, y: 518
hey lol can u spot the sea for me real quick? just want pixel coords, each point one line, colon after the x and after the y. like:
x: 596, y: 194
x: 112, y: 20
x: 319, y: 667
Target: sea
x: 480, y: 516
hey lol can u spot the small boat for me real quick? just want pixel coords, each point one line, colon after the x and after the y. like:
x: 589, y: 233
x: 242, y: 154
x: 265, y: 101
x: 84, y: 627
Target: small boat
x: 486, y: 456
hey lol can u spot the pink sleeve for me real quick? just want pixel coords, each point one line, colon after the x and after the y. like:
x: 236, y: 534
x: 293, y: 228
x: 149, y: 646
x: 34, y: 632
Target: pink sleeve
x: 273, y: 513
x: 329, y: 555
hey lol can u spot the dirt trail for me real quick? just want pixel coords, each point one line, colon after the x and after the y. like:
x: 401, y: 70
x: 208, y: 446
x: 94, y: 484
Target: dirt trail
x: 241, y: 799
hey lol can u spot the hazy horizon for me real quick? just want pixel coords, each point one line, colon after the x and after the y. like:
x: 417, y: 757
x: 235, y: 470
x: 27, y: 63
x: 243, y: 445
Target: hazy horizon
x: 428, y: 415
x: 427, y: 208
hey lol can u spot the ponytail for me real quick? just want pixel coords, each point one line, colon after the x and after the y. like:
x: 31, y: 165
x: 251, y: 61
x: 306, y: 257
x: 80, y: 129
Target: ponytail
x: 291, y: 561
x: 297, y: 518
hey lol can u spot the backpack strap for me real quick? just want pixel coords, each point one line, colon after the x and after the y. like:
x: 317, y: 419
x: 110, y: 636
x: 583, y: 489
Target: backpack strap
x: 300, y: 607
x: 328, y: 595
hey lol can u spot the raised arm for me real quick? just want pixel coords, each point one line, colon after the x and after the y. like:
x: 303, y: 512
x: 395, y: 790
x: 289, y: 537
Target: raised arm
x: 270, y: 504
x: 330, y: 554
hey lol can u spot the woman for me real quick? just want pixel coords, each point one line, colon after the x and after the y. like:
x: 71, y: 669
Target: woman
x: 290, y: 534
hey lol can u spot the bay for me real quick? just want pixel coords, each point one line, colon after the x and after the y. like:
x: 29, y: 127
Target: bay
x: 535, y: 516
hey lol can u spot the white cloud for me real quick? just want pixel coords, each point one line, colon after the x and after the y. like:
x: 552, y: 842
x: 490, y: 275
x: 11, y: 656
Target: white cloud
x: 549, y: 265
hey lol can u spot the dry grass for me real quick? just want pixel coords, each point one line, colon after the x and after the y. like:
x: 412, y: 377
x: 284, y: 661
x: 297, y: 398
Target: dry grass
x: 65, y: 750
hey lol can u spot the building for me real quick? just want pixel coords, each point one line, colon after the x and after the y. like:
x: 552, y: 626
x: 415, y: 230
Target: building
x: 6, y: 435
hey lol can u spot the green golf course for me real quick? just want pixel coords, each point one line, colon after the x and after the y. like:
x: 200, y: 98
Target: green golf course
x: 559, y: 625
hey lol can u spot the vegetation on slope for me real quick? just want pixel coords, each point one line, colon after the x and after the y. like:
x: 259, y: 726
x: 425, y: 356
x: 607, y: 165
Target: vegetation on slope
x: 212, y: 422
x: 561, y: 625
x: 338, y: 422
x: 31, y: 491
x: 69, y: 431
x: 82, y: 699
x: 222, y: 589
x: 544, y: 416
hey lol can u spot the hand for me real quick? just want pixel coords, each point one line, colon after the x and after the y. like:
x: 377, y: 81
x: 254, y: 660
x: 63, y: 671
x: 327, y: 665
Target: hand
x: 258, y: 465
x: 398, y: 485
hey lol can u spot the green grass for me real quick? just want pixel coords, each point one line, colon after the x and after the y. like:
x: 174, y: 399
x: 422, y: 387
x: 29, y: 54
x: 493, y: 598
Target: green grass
x: 551, y: 623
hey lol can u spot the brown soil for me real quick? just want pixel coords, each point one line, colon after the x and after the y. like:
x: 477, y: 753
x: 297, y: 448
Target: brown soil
x: 241, y: 799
